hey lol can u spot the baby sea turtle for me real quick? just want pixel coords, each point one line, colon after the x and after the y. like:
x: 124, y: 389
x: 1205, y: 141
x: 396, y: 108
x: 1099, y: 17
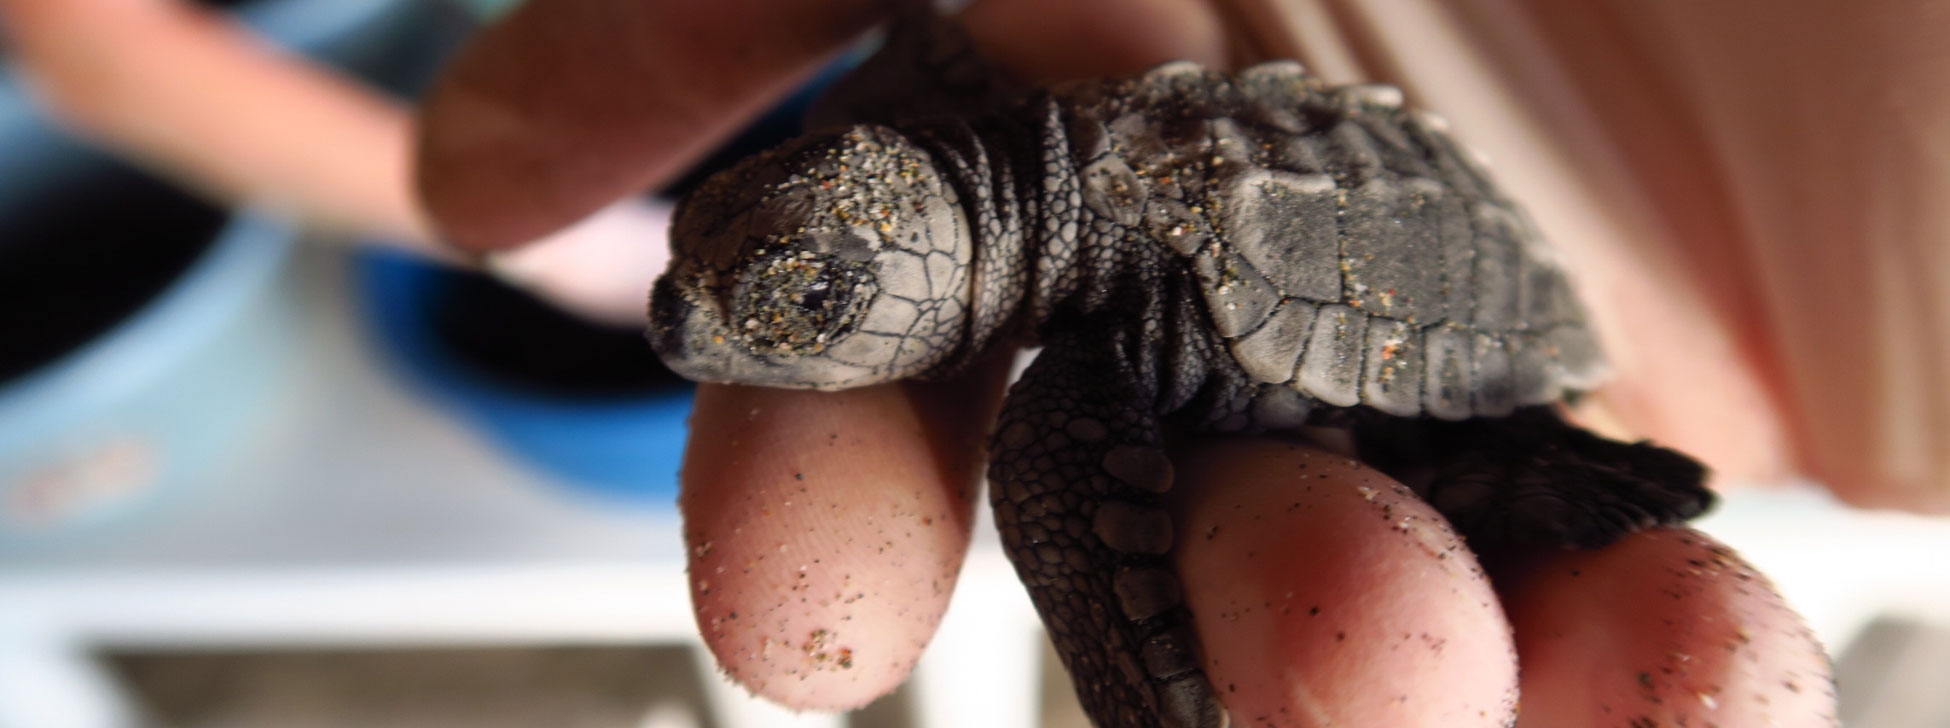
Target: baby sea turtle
x: 1249, y: 252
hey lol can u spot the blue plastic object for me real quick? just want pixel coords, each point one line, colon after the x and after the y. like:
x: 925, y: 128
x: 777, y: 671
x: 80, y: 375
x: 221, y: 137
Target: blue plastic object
x: 118, y: 425
x: 625, y: 448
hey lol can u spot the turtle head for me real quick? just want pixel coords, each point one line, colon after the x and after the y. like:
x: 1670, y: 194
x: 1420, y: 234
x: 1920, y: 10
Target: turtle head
x: 838, y: 260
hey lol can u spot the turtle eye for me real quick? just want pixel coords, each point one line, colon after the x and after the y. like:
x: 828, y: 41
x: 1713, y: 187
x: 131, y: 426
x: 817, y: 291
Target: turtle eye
x: 799, y: 302
x: 816, y: 295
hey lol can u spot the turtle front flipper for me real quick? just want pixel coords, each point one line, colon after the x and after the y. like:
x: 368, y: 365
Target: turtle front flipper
x: 1077, y: 474
x: 1532, y: 480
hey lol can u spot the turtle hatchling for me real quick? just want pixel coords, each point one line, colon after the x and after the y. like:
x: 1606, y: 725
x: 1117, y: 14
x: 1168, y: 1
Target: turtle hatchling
x: 1193, y: 250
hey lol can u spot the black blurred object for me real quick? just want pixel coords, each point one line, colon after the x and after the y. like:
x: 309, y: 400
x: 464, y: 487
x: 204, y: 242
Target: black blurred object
x: 80, y: 253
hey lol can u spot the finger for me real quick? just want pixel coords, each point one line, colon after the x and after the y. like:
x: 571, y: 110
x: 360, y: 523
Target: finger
x: 826, y: 530
x: 158, y: 80
x: 567, y: 105
x: 1326, y: 594
x: 1665, y: 628
x: 598, y: 266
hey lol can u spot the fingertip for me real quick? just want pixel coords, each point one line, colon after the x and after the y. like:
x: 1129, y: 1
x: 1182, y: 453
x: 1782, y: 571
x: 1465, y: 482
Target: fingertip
x: 825, y: 533
x: 1326, y: 594
x: 455, y: 127
x: 1667, y: 627
x: 567, y: 105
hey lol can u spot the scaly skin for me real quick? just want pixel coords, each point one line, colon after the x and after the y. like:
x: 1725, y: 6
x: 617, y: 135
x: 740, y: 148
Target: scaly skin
x: 1235, y: 253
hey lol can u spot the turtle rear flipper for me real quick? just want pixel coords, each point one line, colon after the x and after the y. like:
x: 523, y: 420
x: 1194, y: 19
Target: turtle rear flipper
x: 1532, y: 480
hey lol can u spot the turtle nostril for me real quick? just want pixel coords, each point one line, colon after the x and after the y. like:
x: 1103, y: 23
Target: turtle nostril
x: 668, y: 311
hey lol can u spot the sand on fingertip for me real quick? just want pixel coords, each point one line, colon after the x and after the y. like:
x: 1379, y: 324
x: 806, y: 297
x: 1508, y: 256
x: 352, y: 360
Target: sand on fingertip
x: 825, y: 533
x: 1327, y: 594
x: 1678, y: 631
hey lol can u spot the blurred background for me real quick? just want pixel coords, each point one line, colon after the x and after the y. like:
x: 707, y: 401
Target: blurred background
x: 257, y: 473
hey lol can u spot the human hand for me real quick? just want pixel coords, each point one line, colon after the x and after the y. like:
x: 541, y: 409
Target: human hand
x: 846, y: 515
x: 182, y: 89
x: 198, y: 98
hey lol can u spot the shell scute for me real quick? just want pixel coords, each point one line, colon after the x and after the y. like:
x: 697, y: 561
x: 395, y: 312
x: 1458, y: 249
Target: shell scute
x: 1342, y: 244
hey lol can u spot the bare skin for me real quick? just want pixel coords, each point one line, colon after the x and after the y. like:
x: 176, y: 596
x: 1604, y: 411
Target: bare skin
x: 158, y: 79
x: 1694, y: 210
x: 83, y: 60
x: 1706, y: 638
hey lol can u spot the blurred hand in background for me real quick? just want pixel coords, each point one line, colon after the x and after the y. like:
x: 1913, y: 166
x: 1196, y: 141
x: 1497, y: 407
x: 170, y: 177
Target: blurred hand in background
x: 198, y: 98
